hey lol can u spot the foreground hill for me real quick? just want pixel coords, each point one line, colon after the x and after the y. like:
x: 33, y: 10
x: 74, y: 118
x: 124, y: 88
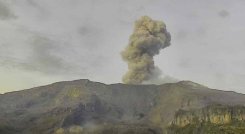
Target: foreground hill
x: 86, y: 107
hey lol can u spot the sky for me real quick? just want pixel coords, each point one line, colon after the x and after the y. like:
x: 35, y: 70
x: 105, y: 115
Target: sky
x: 45, y: 41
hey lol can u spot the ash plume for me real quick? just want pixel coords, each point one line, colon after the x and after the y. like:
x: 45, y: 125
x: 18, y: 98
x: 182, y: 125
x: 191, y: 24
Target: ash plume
x: 148, y: 38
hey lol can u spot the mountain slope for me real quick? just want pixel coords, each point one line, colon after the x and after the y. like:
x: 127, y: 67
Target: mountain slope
x: 211, y: 119
x: 92, y: 107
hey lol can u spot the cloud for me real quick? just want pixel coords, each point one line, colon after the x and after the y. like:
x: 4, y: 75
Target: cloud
x: 223, y: 13
x: 83, y: 39
x: 181, y: 34
x: 36, y: 53
x: 90, y: 35
x: 43, y: 58
x: 5, y: 11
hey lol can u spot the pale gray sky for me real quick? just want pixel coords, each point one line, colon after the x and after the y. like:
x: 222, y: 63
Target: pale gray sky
x: 44, y: 41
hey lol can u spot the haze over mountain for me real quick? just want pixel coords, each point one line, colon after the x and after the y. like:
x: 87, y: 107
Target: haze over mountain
x: 86, y: 107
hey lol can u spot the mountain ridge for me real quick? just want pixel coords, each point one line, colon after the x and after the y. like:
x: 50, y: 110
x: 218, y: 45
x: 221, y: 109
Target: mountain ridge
x: 64, y: 106
x: 186, y: 82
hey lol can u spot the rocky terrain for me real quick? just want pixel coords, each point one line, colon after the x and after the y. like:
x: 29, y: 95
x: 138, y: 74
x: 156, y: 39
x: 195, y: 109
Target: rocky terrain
x: 86, y: 107
x: 209, y: 120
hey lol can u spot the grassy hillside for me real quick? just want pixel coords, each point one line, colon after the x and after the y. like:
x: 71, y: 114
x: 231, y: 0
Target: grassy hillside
x: 80, y: 104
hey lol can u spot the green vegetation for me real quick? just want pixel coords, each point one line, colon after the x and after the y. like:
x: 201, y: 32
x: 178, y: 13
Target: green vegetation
x: 74, y: 93
x: 236, y: 127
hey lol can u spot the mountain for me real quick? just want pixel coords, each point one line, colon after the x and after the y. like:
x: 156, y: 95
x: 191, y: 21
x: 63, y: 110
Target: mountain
x: 86, y: 107
x: 212, y: 119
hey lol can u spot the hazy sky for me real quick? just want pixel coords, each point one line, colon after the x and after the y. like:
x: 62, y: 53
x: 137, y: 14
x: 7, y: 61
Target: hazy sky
x: 44, y: 41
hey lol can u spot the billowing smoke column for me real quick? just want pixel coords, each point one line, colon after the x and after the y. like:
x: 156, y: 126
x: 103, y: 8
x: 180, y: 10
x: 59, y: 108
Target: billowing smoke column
x: 148, y: 38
